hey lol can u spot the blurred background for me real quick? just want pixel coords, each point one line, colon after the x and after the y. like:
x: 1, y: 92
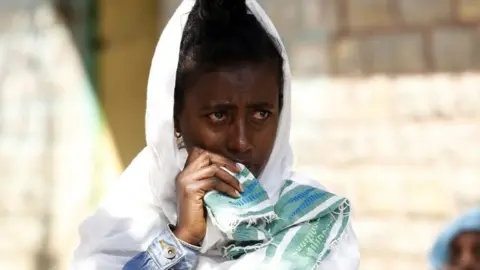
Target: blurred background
x: 386, y: 99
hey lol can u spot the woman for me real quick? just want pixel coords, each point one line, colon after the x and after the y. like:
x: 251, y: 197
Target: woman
x: 218, y: 119
x: 458, y: 246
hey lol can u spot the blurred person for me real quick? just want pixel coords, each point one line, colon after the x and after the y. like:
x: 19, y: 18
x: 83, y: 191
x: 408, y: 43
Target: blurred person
x: 458, y: 245
x: 215, y: 188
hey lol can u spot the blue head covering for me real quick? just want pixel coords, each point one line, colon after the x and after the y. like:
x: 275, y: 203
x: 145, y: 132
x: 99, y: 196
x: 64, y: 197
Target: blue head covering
x: 469, y: 221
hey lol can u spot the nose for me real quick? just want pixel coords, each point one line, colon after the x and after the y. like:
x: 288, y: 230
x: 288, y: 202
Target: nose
x: 238, y: 139
x: 467, y: 261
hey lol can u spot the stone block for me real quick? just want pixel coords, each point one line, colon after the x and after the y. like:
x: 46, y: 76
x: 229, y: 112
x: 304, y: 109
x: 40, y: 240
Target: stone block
x: 20, y: 234
x: 379, y: 261
x: 285, y: 15
x: 402, y: 190
x: 22, y: 195
x: 437, y: 97
x: 434, y: 144
x: 425, y: 11
x: 466, y: 188
x: 373, y: 262
x: 310, y: 58
x: 414, y: 98
x: 364, y: 14
x: 401, y: 53
x: 454, y: 49
x: 402, y: 263
x: 469, y: 10
x: 319, y: 14
x: 403, y: 98
x: 20, y: 261
x: 329, y: 99
x: 395, y: 234
x: 350, y: 56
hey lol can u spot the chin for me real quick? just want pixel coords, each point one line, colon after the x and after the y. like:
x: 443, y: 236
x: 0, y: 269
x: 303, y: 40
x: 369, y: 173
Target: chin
x: 256, y: 170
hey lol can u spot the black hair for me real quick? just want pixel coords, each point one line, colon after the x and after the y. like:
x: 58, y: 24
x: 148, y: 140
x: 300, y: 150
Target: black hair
x: 219, y: 34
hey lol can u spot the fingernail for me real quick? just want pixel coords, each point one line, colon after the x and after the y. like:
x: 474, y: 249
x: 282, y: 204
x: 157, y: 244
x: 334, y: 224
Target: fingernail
x: 241, y: 188
x: 237, y: 193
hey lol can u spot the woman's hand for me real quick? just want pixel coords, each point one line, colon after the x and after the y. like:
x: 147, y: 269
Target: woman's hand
x: 202, y: 173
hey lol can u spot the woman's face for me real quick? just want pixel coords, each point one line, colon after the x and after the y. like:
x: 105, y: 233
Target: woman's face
x: 233, y: 112
x: 465, y: 252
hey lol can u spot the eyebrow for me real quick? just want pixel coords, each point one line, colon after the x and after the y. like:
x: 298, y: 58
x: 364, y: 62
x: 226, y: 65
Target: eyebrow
x: 226, y: 105
x: 262, y: 104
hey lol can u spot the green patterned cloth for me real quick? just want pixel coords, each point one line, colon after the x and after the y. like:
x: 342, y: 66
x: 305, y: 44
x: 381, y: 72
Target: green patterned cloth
x: 296, y: 232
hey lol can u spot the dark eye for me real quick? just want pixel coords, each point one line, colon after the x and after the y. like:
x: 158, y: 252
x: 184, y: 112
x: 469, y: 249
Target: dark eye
x: 454, y: 254
x: 261, y: 115
x: 217, y: 116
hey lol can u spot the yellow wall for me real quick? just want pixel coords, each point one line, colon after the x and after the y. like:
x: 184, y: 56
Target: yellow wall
x: 128, y: 32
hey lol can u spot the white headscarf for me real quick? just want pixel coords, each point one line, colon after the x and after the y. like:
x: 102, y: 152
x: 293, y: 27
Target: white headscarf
x: 143, y: 202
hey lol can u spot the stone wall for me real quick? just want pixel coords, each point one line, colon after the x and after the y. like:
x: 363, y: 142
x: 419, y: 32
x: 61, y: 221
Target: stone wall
x: 405, y: 150
x: 363, y: 37
x: 391, y: 116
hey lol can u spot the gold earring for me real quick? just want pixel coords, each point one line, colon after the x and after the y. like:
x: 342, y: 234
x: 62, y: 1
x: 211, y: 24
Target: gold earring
x: 179, y: 140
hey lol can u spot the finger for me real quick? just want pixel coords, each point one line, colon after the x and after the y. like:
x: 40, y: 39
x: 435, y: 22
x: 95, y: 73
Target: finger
x: 197, y: 160
x: 207, y: 185
x: 224, y: 162
x: 226, y: 189
x: 194, y: 154
x: 215, y: 171
x: 229, y: 179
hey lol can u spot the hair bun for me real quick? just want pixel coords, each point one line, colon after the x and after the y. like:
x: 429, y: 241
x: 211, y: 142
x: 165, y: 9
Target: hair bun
x: 221, y: 11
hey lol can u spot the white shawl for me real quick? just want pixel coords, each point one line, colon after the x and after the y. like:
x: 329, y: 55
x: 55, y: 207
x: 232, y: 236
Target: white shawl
x: 143, y: 202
